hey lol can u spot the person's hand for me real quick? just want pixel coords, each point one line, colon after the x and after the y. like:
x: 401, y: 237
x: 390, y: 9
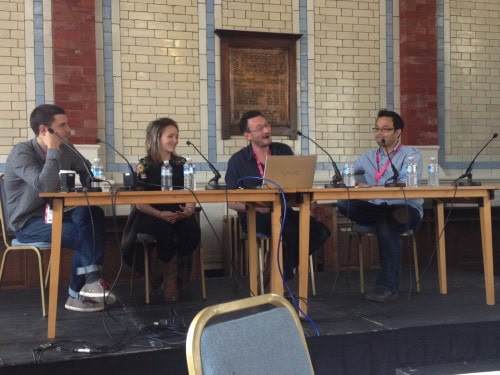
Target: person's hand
x: 185, y: 212
x: 50, y: 140
x: 169, y: 216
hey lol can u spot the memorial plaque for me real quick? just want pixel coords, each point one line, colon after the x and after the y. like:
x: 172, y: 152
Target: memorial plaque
x: 258, y: 72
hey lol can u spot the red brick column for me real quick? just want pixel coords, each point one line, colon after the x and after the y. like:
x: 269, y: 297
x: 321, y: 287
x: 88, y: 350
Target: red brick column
x: 75, y: 87
x: 418, y: 56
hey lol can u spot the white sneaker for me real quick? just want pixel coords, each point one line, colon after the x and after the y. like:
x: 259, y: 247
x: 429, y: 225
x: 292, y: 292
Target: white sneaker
x: 95, y: 289
x: 83, y: 305
x: 98, y: 291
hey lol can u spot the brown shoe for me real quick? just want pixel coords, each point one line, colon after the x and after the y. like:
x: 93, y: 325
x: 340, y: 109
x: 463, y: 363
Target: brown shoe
x: 170, y: 289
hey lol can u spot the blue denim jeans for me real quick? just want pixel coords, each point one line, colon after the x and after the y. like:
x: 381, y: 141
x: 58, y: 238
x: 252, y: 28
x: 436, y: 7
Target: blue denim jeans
x: 78, y: 235
x: 387, y: 230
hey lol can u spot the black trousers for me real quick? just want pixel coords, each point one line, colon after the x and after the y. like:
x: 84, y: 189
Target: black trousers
x: 174, y: 239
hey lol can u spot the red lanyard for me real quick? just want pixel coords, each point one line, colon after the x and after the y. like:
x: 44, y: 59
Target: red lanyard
x: 379, y: 172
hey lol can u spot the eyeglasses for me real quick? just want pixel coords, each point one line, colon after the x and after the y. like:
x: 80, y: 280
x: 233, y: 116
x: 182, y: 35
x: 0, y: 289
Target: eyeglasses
x: 259, y: 128
x: 382, y: 130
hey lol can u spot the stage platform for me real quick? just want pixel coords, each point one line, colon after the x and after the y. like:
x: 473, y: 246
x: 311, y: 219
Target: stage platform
x: 355, y: 336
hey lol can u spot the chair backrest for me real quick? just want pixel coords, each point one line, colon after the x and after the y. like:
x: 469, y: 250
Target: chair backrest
x: 248, y: 337
x: 7, y: 233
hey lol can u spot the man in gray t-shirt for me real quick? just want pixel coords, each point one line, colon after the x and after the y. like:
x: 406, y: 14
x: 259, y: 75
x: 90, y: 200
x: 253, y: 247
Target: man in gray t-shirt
x: 33, y: 167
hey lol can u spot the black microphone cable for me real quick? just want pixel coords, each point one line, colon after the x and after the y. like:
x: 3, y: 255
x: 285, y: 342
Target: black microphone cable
x: 294, y: 298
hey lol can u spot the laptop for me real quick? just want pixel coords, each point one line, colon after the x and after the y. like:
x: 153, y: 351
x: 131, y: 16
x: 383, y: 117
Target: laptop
x: 290, y: 171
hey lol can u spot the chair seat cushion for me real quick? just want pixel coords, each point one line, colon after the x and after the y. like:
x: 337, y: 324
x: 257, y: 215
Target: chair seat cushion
x: 40, y: 245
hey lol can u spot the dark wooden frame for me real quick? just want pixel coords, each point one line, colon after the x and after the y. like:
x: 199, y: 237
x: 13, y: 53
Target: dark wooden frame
x: 230, y: 39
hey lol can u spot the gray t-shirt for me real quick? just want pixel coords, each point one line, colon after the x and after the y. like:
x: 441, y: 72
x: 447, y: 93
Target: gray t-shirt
x: 30, y: 171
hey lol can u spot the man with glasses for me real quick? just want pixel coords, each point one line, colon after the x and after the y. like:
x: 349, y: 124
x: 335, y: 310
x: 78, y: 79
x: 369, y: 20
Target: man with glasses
x: 249, y: 162
x: 388, y: 218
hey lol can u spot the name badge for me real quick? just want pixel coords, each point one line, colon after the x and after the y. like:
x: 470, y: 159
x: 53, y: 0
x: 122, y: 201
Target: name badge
x: 48, y: 214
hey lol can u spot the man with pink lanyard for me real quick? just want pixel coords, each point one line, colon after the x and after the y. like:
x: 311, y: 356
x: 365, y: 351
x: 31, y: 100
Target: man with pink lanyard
x: 388, y: 218
x: 246, y: 168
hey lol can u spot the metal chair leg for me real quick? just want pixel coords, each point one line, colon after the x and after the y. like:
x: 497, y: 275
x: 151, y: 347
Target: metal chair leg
x: 261, y: 266
x: 40, y: 276
x: 202, y: 274
x: 361, y: 265
x: 313, y: 275
x: 47, y: 274
x: 146, y: 274
x: 415, y: 261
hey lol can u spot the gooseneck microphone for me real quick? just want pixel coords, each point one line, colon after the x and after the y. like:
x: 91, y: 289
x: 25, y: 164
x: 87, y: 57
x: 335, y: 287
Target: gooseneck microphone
x: 84, y: 161
x: 213, y: 183
x: 394, y: 180
x: 337, y: 180
x: 129, y: 178
x: 467, y: 175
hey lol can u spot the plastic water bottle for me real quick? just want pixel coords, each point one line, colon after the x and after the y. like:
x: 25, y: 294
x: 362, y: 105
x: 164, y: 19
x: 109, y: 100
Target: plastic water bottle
x: 166, y: 176
x: 348, y: 175
x: 411, y: 172
x: 97, y: 171
x: 189, y: 182
x: 433, y: 172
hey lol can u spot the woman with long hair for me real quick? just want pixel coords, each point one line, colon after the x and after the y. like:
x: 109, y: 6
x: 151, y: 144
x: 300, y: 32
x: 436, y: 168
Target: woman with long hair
x: 174, y: 226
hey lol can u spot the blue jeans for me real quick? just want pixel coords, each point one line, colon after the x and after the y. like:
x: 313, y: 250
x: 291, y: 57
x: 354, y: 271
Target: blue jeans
x: 78, y: 235
x: 387, y: 230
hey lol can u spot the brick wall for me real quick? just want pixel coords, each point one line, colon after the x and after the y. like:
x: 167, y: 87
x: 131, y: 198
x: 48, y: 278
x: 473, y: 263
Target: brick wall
x: 347, y: 79
x: 418, y: 67
x: 160, y: 69
x: 474, y: 87
x: 13, y: 126
x: 74, y: 65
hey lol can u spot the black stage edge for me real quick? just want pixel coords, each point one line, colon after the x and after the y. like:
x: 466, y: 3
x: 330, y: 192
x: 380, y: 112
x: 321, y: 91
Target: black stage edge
x: 364, y: 353
x: 357, y: 337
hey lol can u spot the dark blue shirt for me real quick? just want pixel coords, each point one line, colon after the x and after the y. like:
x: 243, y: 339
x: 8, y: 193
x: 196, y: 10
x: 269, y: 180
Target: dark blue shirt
x: 243, y: 164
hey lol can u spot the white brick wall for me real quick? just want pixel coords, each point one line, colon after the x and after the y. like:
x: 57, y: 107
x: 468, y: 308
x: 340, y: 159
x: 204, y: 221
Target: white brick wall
x: 159, y: 69
x: 13, y: 127
x: 474, y: 74
x: 347, y: 79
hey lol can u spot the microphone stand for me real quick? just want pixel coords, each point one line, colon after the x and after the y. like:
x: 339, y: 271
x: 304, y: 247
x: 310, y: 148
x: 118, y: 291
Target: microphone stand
x: 393, y: 181
x: 130, y: 181
x: 90, y: 177
x: 213, y: 183
x: 467, y: 175
x: 337, y: 180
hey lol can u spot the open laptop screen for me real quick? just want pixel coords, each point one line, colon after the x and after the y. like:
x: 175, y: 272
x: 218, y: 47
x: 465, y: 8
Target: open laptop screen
x: 290, y: 171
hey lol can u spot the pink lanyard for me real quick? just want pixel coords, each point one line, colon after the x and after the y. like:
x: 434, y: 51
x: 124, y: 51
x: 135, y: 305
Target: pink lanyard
x: 260, y: 166
x: 379, y: 172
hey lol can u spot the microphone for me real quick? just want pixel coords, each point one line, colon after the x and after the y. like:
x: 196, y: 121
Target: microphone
x: 393, y: 181
x: 129, y: 178
x: 213, y: 183
x: 468, y: 172
x: 337, y: 180
x: 84, y: 161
